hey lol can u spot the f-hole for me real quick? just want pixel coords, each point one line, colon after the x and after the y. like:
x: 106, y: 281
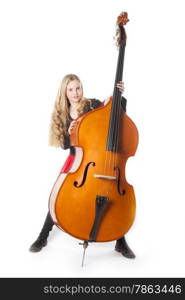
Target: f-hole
x: 118, y: 183
x: 76, y: 184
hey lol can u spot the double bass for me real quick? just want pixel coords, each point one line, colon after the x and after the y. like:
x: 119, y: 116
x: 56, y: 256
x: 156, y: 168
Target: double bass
x: 94, y: 202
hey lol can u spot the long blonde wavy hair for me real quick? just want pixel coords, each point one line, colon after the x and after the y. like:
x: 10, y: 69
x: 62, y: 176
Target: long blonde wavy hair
x: 61, y: 112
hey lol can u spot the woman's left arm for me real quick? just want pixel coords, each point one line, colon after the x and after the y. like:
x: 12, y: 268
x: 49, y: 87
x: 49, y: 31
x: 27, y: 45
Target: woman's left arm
x: 120, y: 86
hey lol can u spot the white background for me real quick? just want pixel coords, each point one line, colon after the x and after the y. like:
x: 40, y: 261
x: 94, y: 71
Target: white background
x: 43, y: 40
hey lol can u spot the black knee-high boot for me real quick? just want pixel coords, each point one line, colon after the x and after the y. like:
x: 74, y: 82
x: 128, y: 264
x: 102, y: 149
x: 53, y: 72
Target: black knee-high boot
x: 122, y: 247
x: 42, y: 238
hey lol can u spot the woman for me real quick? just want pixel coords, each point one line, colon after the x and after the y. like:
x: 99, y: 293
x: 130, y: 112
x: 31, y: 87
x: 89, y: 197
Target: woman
x: 69, y: 105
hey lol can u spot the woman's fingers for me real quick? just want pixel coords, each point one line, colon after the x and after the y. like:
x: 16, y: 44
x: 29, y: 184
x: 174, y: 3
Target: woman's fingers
x: 72, y: 123
x: 71, y: 126
x: 120, y: 86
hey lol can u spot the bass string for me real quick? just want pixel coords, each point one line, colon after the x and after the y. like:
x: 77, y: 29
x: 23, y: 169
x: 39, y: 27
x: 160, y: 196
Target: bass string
x: 111, y: 158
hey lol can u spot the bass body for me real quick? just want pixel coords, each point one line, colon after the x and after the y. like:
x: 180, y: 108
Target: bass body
x: 98, y: 173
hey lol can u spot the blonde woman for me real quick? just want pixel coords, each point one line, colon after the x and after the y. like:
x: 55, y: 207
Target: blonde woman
x: 69, y: 105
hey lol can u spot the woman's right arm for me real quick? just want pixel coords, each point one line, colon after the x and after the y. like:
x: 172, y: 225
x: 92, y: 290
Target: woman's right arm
x: 67, y: 137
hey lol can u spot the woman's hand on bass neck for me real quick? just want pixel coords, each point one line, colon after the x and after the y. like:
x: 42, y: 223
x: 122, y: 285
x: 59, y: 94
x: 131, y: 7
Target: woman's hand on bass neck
x: 120, y: 86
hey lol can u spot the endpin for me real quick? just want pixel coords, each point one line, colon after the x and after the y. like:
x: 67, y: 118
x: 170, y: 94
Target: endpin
x: 85, y: 245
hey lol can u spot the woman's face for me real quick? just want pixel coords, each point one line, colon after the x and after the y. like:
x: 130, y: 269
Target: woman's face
x: 74, y: 91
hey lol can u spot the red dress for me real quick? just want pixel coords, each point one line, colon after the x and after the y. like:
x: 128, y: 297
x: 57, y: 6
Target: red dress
x: 68, y: 164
